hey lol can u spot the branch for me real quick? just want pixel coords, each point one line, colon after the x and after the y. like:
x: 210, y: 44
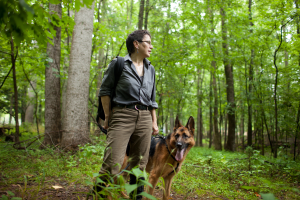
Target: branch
x: 36, y: 99
x: 5, y: 52
x: 120, y: 48
x: 5, y: 77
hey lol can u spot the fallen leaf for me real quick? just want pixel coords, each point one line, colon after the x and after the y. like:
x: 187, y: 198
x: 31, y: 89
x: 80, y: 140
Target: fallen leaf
x: 57, y: 187
x: 256, y: 194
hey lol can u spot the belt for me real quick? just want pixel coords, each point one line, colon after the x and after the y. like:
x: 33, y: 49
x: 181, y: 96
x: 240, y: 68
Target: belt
x: 134, y: 106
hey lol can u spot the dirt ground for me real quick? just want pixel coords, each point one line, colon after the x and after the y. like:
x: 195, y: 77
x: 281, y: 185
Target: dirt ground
x: 72, y: 192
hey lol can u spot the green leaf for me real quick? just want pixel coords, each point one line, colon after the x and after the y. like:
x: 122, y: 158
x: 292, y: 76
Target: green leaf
x: 129, y: 188
x: 4, y: 197
x: 249, y: 187
x: 149, y: 196
x: 95, y: 175
x: 143, y: 182
x: 54, y: 1
x: 10, y: 193
x: 268, y: 196
x: 26, y: 6
x: 89, y: 182
x: 16, y: 198
x: 137, y: 172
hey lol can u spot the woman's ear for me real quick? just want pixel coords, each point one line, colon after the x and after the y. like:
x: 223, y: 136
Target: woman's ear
x: 136, y: 44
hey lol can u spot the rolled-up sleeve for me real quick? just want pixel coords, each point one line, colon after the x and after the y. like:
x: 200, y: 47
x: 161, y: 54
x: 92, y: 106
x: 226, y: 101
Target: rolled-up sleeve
x: 108, y: 81
x: 153, y: 95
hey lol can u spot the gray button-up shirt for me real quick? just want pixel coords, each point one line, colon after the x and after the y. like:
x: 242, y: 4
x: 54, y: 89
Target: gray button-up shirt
x: 131, y: 88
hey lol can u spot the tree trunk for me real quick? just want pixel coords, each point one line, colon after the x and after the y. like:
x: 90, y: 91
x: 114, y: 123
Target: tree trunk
x: 13, y: 61
x: 75, y: 121
x: 171, y: 121
x: 298, y: 115
x: 52, y: 86
x: 225, y: 128
x: 23, y: 103
x: 11, y: 108
x: 199, y: 114
x: 141, y: 15
x: 275, y: 94
x: 262, y: 138
x: 131, y: 11
x: 217, y: 134
x: 66, y: 69
x: 242, y: 130
x: 146, y: 14
x: 249, y: 95
x: 230, y: 146
x: 29, y: 118
x: 210, y: 112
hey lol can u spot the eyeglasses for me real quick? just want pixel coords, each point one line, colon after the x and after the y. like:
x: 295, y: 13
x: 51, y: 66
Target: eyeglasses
x: 149, y: 42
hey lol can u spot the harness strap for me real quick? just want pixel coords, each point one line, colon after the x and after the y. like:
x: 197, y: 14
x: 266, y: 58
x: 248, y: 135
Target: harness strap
x: 164, y: 140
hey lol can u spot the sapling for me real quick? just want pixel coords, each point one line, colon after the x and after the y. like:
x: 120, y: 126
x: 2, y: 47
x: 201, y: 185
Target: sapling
x: 249, y: 152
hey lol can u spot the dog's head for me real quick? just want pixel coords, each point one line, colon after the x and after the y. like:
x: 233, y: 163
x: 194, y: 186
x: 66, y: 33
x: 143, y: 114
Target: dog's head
x: 182, y: 137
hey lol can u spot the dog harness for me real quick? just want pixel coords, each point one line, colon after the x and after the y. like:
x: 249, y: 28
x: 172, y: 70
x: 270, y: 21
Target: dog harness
x: 163, y: 138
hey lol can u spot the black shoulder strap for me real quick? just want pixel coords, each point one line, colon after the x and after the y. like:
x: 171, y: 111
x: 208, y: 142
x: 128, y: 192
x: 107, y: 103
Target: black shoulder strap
x: 118, y: 69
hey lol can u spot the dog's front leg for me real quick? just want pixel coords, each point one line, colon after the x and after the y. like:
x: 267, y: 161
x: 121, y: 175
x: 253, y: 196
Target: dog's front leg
x: 153, y: 179
x: 168, y: 183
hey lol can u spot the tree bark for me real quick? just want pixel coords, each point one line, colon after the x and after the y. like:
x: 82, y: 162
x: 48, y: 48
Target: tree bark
x: 11, y: 108
x: 146, y: 14
x: 141, y: 14
x: 210, y: 112
x: 199, y: 114
x: 298, y: 115
x: 76, y: 119
x: 230, y: 146
x: 249, y: 95
x: 242, y: 126
x: 217, y: 135
x: 52, y: 85
x: 171, y: 121
x: 29, y: 118
x: 13, y: 61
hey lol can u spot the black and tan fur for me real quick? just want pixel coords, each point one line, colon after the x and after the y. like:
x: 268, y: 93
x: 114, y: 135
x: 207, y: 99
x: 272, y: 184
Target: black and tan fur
x: 161, y: 163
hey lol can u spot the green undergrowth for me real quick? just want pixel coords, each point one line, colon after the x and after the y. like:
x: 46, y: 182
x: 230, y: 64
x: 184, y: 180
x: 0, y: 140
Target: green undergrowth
x: 205, y: 172
x: 238, y: 175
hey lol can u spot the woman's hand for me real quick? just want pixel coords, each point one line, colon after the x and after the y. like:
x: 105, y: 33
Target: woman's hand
x: 106, y: 123
x: 154, y: 128
x: 154, y: 122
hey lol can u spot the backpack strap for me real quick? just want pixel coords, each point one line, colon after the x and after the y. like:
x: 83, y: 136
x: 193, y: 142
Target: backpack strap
x: 118, y: 68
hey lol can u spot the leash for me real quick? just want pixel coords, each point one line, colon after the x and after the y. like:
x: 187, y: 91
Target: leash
x: 164, y: 140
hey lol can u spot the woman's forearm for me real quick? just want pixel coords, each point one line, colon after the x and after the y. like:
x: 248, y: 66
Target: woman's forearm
x: 106, y: 106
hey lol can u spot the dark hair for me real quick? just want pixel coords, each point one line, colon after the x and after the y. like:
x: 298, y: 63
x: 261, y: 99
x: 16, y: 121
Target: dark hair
x: 135, y: 35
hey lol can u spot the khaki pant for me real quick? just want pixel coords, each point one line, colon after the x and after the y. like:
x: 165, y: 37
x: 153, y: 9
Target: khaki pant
x: 127, y: 126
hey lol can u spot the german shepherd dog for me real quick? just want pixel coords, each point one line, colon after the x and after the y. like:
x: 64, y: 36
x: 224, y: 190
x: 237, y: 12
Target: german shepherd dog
x: 167, y: 155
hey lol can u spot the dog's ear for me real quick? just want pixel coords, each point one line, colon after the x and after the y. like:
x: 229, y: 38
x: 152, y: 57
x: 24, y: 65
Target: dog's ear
x: 191, y: 125
x: 177, y: 123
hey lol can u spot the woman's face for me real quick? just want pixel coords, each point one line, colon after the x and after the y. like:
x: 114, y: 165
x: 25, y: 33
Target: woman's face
x: 145, y: 46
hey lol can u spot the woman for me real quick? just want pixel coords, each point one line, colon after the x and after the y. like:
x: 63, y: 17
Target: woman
x: 133, y: 117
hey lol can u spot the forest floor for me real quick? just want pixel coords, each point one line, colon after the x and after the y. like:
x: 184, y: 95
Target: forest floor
x: 78, y: 192
x: 205, y: 174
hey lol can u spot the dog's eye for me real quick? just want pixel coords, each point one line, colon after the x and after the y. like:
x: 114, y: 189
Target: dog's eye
x: 177, y: 135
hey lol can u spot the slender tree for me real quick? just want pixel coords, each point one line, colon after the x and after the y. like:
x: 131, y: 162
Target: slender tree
x: 199, y: 115
x: 249, y: 95
x: 230, y: 146
x: 147, y: 10
x: 30, y: 106
x: 14, y: 55
x: 141, y: 14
